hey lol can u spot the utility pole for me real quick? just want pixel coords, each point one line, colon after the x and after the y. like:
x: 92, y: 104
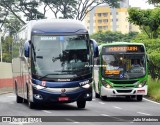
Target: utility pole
x: 1, y: 44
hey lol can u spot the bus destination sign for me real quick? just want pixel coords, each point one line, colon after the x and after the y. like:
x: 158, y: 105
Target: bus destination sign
x: 122, y: 49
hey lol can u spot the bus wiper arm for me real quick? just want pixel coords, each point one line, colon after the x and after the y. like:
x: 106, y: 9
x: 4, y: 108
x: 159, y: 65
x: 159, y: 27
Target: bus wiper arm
x: 48, y: 75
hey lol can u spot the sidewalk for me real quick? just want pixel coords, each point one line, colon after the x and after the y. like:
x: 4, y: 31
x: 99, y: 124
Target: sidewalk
x: 6, y: 90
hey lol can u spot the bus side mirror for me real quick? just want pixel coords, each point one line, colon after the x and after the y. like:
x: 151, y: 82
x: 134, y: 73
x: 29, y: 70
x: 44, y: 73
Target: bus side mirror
x: 95, y: 47
x: 26, y: 48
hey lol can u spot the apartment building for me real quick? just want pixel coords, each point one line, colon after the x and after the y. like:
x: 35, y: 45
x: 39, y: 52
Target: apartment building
x: 112, y: 19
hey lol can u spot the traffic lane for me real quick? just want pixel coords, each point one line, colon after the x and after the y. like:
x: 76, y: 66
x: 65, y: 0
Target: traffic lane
x: 132, y: 105
x: 96, y: 107
x: 114, y: 107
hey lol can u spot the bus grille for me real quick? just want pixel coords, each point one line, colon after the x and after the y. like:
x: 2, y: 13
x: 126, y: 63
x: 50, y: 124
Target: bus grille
x: 124, y: 91
x: 124, y: 82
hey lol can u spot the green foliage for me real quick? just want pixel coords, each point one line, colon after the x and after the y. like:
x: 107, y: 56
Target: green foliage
x: 7, y: 49
x: 12, y: 25
x: 154, y: 89
x: 108, y: 36
x: 155, y: 2
x: 147, y: 20
x: 152, y: 47
x: 28, y: 8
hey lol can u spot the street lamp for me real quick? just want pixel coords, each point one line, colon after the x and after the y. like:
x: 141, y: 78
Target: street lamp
x: 1, y: 43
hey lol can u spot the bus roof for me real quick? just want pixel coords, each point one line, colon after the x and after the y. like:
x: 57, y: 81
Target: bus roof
x: 58, y: 26
x: 118, y: 43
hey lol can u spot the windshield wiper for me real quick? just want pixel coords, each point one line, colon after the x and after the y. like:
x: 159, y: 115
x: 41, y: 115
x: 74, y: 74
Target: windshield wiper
x: 49, y: 74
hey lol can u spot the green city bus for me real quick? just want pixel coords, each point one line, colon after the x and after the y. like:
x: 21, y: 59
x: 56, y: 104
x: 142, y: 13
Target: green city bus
x: 121, y: 70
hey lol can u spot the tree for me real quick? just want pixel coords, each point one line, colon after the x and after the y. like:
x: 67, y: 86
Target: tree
x: 12, y: 25
x: 108, y: 36
x: 76, y: 9
x: 155, y: 2
x: 153, y: 49
x: 147, y: 20
x: 28, y: 8
x: 7, y: 48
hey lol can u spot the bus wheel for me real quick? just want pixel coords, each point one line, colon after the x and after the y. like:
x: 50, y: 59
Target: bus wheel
x: 103, y: 98
x: 19, y: 99
x: 139, y: 97
x: 97, y: 95
x: 31, y: 105
x: 81, y: 104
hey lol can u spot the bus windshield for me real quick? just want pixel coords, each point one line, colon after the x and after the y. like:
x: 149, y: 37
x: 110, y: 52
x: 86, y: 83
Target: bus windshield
x: 123, y: 66
x: 60, y: 56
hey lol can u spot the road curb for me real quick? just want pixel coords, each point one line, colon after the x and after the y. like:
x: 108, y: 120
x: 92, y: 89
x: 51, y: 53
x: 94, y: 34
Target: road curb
x: 5, y: 93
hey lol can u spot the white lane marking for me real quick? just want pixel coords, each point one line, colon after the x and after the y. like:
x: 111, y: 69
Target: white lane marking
x: 143, y: 113
x: 104, y: 115
x: 71, y: 120
x: 102, y: 103
x: 151, y: 101
x: 46, y: 111
x: 116, y: 107
x: 93, y: 99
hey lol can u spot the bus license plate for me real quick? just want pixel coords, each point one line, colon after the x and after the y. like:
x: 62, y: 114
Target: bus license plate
x: 63, y: 98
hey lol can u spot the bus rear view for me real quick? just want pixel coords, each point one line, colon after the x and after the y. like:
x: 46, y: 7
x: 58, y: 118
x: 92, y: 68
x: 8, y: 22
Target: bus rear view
x: 123, y: 71
x: 58, y: 53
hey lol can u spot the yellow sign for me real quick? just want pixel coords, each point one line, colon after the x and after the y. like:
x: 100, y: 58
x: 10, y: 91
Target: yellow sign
x: 110, y: 72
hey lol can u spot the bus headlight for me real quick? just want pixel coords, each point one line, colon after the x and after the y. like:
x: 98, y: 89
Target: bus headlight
x: 106, y: 84
x: 140, y: 85
x: 86, y: 86
x: 38, y: 87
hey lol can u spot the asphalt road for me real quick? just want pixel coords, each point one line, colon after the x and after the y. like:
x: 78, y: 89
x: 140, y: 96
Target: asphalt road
x: 112, y: 109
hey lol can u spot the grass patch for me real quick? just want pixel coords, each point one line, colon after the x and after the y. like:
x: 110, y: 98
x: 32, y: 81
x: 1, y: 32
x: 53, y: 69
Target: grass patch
x: 154, y: 89
x: 6, y: 90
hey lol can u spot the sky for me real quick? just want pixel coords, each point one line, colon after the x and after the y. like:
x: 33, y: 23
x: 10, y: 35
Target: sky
x: 140, y: 3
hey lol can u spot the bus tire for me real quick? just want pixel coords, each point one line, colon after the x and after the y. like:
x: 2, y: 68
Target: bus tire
x: 139, y: 97
x: 81, y: 104
x: 97, y: 95
x: 19, y: 99
x: 103, y: 98
x: 31, y: 104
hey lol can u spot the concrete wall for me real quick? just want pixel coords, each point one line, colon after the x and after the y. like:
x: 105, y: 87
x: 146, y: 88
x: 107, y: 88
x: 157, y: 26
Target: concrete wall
x: 5, y: 75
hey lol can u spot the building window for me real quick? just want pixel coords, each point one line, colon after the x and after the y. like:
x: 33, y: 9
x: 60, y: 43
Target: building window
x: 99, y: 14
x: 110, y: 13
x: 116, y: 13
x: 105, y: 20
x: 99, y: 27
x: 105, y: 14
x: 117, y: 20
x: 105, y: 27
x: 99, y: 21
x: 88, y: 21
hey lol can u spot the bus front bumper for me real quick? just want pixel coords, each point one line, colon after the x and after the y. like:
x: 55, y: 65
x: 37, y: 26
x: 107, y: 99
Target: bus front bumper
x: 112, y: 92
x: 62, y: 95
